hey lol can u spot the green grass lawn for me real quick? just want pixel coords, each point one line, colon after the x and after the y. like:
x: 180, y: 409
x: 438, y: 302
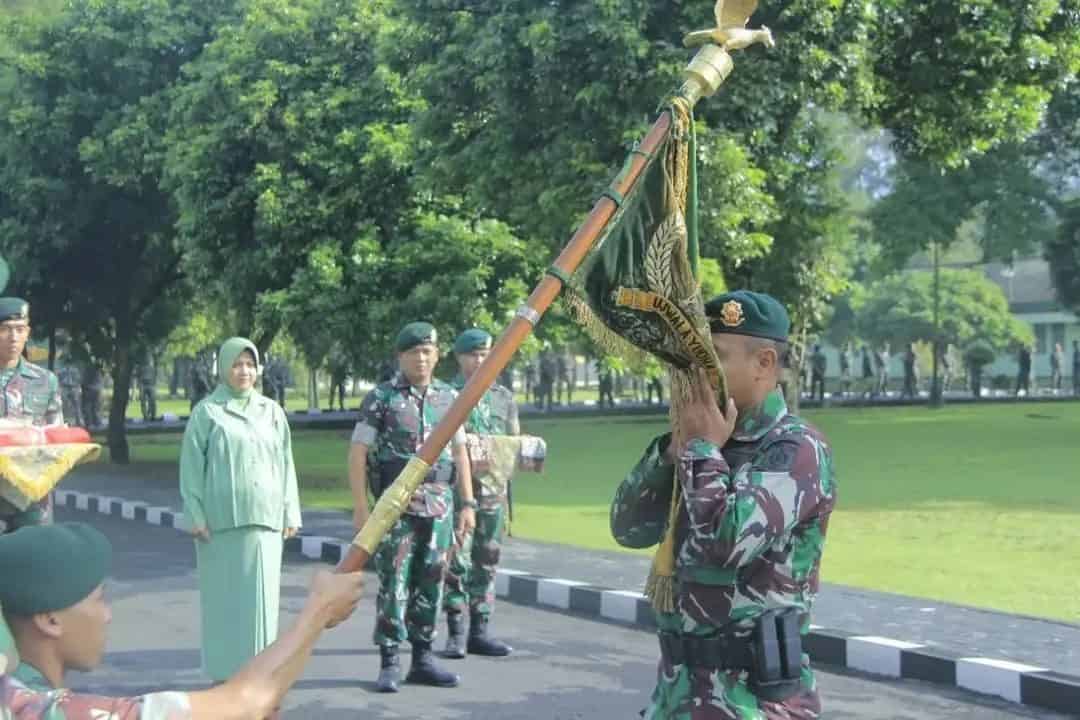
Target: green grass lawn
x: 296, y: 400
x: 182, y: 407
x: 971, y: 504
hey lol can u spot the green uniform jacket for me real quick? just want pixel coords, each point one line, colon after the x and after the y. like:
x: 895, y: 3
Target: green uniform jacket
x: 750, y: 537
x: 18, y: 702
x: 495, y: 414
x: 395, y: 421
x: 236, y: 465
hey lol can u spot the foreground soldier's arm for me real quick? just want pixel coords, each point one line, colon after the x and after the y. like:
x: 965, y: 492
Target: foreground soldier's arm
x: 254, y: 693
x: 640, y: 509
x: 735, y: 518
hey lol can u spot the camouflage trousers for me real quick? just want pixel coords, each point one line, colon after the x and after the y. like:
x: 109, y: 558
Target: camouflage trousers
x: 40, y: 513
x: 470, y: 576
x: 411, y: 564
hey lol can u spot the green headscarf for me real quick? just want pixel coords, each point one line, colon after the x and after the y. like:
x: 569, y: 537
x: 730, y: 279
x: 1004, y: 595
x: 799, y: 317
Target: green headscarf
x: 230, y: 350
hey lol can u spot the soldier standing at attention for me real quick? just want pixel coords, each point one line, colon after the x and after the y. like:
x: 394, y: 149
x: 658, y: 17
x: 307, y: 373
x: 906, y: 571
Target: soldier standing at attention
x: 470, y: 579
x: 846, y: 361
x: 148, y: 387
x: 70, y: 378
x: 819, y: 365
x: 1023, y: 373
x: 1076, y: 367
x: 30, y: 394
x: 755, y: 488
x: 93, y: 382
x: 396, y: 418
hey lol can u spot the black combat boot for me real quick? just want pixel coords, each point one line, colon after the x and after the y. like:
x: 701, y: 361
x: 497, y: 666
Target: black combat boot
x: 480, y: 643
x: 455, y: 635
x: 424, y: 671
x: 389, y: 669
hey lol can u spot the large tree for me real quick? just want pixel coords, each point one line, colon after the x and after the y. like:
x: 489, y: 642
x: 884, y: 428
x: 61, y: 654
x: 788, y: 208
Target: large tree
x: 289, y: 134
x: 899, y: 310
x: 293, y: 164
x: 81, y: 152
x: 1063, y: 254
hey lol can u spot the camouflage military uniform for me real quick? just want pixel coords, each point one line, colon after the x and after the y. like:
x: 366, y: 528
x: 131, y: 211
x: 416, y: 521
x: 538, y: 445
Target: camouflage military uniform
x: 395, y: 420
x: 70, y: 380
x: 31, y: 393
x: 750, y: 535
x: 18, y: 702
x: 148, y: 389
x: 92, y: 384
x: 470, y: 578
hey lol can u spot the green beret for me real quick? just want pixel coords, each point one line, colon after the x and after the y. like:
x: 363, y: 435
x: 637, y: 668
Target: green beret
x: 472, y: 339
x: 416, y: 333
x: 13, y: 308
x: 748, y: 313
x: 57, y: 566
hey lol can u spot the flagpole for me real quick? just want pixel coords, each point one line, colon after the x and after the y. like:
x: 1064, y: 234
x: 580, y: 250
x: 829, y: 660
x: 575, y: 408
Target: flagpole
x: 706, y: 72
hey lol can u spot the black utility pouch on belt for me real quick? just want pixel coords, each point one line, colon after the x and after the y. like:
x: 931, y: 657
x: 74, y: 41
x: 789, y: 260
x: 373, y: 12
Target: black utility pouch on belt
x: 776, y: 655
x: 387, y: 474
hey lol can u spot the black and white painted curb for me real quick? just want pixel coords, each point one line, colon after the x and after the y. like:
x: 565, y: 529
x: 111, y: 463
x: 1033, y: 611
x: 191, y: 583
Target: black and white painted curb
x: 1016, y: 682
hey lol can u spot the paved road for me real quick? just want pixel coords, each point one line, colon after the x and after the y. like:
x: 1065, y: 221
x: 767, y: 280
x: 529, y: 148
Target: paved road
x: 564, y: 668
x: 972, y: 631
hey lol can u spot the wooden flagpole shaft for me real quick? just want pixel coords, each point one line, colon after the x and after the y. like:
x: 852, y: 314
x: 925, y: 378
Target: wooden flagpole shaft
x: 526, y: 319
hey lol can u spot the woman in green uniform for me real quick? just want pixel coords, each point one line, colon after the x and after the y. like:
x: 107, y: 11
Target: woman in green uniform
x: 238, y: 484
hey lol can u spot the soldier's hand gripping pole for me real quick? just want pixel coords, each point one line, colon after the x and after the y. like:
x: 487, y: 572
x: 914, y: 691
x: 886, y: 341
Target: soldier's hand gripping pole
x: 704, y: 76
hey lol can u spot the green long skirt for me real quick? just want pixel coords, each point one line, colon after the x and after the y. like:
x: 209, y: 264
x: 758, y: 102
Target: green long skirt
x: 240, y: 589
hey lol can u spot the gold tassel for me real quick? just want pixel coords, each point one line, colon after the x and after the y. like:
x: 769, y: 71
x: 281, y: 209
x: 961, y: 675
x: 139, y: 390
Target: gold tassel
x: 606, y: 339
x: 660, y: 587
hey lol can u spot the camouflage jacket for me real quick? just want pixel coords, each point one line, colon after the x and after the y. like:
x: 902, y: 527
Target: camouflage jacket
x: 395, y: 420
x: 750, y: 536
x: 495, y: 414
x: 31, y: 393
x: 18, y: 702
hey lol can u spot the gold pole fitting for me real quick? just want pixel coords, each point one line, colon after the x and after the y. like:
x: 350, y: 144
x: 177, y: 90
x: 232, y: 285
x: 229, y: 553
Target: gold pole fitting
x: 706, y: 73
x: 392, y: 504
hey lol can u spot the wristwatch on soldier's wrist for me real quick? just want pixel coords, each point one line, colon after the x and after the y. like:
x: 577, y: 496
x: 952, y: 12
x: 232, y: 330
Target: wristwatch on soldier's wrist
x: 470, y: 504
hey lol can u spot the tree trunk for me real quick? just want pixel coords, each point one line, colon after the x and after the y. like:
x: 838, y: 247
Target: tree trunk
x: 313, y: 389
x: 796, y: 358
x: 119, y: 452
x: 52, y: 348
x: 936, y: 397
x: 263, y: 341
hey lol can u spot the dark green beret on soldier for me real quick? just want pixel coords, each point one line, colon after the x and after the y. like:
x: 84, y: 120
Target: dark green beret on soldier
x: 51, y: 567
x: 472, y: 340
x: 414, y: 334
x: 743, y: 312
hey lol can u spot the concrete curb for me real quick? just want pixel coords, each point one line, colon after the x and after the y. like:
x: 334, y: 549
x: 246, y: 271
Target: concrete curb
x: 887, y: 657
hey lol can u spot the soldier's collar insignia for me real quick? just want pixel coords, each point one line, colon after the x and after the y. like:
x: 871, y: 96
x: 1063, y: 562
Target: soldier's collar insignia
x: 731, y: 314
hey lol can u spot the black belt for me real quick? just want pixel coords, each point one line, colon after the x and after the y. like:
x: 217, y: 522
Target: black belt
x: 723, y: 651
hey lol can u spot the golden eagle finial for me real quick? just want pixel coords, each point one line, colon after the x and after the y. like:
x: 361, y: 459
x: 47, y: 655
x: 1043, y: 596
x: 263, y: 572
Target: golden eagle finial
x: 731, y: 32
